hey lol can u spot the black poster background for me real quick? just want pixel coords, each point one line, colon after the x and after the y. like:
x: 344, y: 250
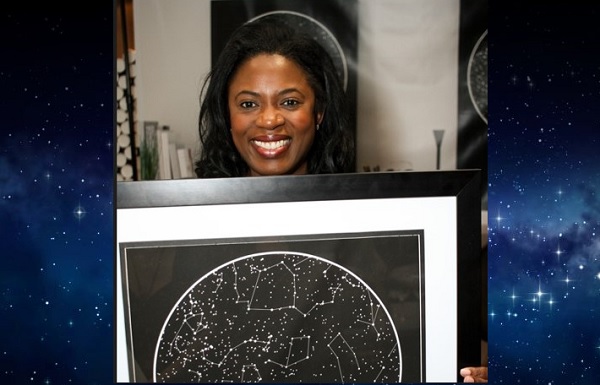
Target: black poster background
x: 472, y: 140
x: 391, y: 263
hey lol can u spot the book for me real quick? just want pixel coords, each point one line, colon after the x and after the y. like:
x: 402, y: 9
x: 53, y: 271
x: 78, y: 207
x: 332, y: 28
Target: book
x: 174, y: 161
x: 186, y: 164
x: 164, y: 160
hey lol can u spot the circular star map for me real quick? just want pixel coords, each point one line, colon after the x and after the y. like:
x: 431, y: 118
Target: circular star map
x: 278, y: 317
x: 477, y: 78
x: 319, y: 32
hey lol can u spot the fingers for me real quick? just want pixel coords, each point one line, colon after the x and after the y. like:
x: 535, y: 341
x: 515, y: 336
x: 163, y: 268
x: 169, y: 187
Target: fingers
x: 466, y: 373
x: 475, y: 374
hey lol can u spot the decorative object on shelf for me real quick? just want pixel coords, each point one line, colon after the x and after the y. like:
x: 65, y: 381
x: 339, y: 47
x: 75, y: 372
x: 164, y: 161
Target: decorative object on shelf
x: 164, y: 160
x: 438, y: 135
x: 127, y: 147
x: 149, y: 152
x: 161, y: 158
x: 186, y: 163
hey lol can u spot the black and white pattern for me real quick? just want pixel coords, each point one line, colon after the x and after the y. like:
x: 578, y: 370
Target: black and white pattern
x: 279, y: 317
x: 125, y: 147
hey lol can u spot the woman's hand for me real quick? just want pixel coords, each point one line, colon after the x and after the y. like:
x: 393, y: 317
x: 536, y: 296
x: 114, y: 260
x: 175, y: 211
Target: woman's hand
x: 475, y: 374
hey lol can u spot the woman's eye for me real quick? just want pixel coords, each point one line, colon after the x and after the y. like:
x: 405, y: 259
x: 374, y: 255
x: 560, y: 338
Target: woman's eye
x: 247, y: 104
x: 290, y: 102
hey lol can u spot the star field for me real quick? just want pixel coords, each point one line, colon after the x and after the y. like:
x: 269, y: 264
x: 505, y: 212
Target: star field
x: 544, y: 217
x: 56, y: 297
x: 279, y: 317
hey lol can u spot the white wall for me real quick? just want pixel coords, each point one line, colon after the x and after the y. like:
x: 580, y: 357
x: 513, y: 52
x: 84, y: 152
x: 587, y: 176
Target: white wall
x: 407, y: 82
x: 407, y: 76
x: 172, y: 44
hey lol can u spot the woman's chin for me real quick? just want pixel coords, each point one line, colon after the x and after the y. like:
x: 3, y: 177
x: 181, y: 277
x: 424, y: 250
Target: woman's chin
x: 276, y: 168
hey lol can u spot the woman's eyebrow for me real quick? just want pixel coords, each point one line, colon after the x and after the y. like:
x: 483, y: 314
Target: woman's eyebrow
x: 247, y: 92
x: 289, y: 91
x: 285, y: 91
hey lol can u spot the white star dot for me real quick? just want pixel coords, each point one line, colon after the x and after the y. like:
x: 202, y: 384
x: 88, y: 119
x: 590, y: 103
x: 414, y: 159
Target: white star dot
x: 79, y: 212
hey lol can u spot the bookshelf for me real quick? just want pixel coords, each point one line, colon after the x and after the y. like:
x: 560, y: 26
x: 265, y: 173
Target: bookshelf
x: 143, y: 150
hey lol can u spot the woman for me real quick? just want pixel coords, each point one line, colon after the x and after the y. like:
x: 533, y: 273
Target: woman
x: 273, y: 105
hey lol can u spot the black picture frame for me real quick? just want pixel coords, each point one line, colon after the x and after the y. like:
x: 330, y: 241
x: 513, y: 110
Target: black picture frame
x: 151, y: 215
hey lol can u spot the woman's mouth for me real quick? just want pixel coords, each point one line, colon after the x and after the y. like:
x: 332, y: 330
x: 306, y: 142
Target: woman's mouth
x: 272, y: 145
x: 271, y: 148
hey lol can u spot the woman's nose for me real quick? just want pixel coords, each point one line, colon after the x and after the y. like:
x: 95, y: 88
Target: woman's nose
x: 270, y: 119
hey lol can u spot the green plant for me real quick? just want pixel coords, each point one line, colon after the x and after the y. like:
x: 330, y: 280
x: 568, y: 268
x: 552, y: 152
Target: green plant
x: 149, y: 160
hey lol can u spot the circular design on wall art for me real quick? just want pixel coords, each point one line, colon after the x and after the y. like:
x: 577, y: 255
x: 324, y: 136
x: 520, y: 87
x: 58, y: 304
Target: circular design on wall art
x: 477, y: 77
x: 278, y: 317
x: 319, y: 32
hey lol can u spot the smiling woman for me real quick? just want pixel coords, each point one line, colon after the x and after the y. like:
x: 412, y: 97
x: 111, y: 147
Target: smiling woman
x: 273, y: 105
x: 273, y: 117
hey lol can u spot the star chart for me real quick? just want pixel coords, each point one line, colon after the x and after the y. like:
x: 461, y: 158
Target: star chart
x: 278, y: 317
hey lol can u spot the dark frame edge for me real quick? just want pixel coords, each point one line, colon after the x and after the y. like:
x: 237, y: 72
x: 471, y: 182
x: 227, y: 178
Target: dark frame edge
x: 288, y: 188
x: 470, y: 283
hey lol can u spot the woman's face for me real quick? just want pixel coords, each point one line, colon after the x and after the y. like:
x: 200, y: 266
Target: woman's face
x: 271, y: 107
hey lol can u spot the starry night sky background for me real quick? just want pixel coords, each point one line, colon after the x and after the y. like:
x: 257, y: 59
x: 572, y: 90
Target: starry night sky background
x: 544, y: 207
x: 56, y: 194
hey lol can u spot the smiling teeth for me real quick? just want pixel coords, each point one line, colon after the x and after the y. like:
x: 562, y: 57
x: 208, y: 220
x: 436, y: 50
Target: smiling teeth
x: 272, y: 145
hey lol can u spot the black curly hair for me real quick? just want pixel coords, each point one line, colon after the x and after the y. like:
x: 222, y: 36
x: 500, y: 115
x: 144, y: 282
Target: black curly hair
x: 333, y: 148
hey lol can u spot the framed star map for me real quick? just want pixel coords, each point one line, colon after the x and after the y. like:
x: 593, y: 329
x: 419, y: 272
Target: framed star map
x: 357, y: 278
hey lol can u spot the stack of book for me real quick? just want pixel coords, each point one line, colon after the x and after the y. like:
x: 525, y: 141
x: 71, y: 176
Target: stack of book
x: 170, y: 160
